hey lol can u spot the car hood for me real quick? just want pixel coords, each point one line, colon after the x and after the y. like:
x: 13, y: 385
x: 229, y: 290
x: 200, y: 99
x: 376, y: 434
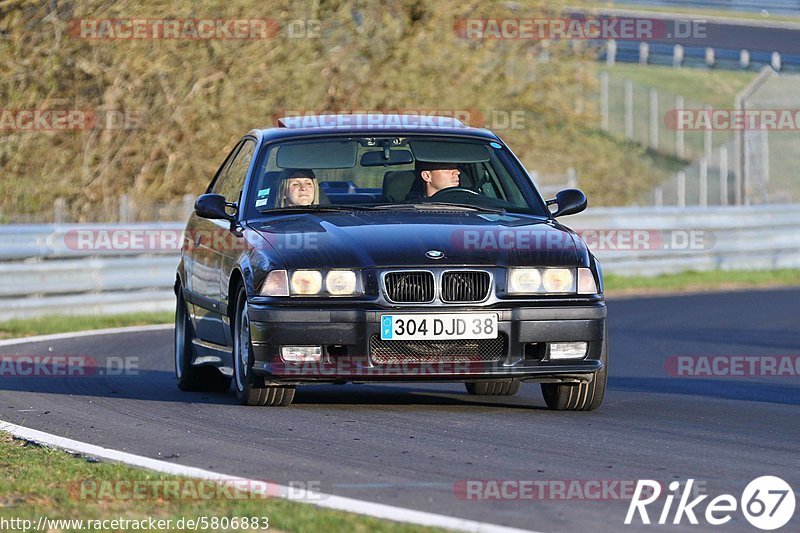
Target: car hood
x: 401, y: 239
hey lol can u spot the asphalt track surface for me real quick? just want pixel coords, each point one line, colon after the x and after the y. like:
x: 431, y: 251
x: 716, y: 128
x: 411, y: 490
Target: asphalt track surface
x: 408, y: 445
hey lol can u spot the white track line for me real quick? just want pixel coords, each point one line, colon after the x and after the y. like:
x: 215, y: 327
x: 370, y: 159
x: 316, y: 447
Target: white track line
x: 377, y: 510
x: 87, y: 333
x: 340, y: 503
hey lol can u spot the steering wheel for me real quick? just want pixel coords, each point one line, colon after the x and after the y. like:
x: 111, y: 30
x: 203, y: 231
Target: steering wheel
x: 450, y: 191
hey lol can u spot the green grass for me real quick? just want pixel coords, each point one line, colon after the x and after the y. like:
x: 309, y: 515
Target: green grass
x: 714, y: 280
x: 37, y: 481
x: 698, y: 87
x: 709, y: 12
x: 715, y: 87
x: 60, y: 324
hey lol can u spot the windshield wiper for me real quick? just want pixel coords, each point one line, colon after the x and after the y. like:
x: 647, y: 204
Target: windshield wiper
x: 466, y: 206
x: 313, y: 209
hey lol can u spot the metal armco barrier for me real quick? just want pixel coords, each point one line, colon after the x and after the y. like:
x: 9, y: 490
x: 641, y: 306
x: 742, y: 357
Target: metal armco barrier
x: 45, y: 270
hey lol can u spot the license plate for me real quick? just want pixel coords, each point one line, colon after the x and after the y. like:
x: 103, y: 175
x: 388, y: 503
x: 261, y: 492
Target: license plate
x: 438, y: 327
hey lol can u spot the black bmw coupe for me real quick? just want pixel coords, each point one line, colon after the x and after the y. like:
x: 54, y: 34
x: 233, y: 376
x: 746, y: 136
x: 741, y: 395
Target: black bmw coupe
x: 368, y: 248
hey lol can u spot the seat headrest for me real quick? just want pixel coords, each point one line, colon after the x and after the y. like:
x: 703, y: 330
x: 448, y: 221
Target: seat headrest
x: 397, y: 184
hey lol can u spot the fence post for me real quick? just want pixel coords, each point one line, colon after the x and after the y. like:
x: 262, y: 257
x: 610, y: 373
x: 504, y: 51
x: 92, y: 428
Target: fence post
x: 124, y: 209
x: 60, y: 210
x: 765, y: 156
x: 572, y: 178
x: 677, y: 56
x: 681, y: 189
x: 707, y: 135
x: 611, y: 52
x: 744, y: 59
x: 775, y: 60
x: 644, y: 52
x: 703, y: 182
x: 629, y: 109
x: 723, y: 175
x: 679, y: 146
x: 604, y: 100
x: 710, y: 57
x: 188, y: 205
x: 654, y: 119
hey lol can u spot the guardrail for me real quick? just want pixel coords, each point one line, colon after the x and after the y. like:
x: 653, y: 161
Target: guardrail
x: 44, y: 270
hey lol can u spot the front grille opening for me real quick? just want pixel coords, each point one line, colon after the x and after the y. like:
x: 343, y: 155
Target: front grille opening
x: 465, y: 286
x: 535, y: 351
x: 449, y: 351
x: 336, y: 349
x: 409, y: 286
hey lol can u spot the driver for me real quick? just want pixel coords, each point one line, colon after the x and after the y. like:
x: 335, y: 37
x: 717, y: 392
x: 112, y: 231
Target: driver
x: 297, y: 186
x: 433, y: 177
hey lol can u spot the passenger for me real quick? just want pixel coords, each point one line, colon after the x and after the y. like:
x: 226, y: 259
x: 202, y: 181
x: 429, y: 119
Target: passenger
x: 433, y: 177
x: 298, y: 186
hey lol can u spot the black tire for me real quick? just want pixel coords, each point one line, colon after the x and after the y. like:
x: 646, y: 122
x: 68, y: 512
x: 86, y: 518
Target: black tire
x: 191, y: 377
x: 579, y: 396
x: 250, y: 389
x: 493, y: 388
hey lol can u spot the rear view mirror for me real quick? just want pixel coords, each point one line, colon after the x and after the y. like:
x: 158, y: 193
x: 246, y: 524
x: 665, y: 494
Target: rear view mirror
x: 569, y: 202
x: 378, y: 159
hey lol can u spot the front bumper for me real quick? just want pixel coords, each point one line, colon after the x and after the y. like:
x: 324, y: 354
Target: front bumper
x: 345, y: 339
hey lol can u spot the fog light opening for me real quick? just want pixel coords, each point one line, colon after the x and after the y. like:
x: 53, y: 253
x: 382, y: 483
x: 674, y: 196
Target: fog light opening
x: 301, y: 354
x: 568, y: 350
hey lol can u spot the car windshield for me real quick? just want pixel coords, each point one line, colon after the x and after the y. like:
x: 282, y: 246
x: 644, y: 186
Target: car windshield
x: 391, y: 173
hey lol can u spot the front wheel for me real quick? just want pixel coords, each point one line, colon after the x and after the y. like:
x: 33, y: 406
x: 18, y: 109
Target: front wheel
x: 579, y: 396
x: 191, y: 377
x: 250, y: 389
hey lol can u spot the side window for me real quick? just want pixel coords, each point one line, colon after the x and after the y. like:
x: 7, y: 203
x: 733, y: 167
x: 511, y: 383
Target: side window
x: 230, y: 182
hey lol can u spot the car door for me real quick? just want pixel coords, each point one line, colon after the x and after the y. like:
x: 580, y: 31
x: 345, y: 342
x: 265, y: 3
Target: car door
x: 233, y: 243
x: 207, y: 236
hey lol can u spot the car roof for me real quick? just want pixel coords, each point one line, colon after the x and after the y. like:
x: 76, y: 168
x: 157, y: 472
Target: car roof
x: 370, y: 124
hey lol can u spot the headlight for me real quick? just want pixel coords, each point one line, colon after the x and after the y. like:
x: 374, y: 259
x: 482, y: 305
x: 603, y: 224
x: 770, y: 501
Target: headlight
x: 276, y: 284
x: 586, y: 283
x: 341, y: 282
x: 524, y: 280
x: 306, y: 282
x: 558, y: 280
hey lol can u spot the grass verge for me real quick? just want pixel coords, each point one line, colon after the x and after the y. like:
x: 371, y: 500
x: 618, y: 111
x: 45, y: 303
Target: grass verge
x: 37, y: 481
x: 714, y: 280
x: 700, y: 12
x: 716, y: 87
x: 25, y: 327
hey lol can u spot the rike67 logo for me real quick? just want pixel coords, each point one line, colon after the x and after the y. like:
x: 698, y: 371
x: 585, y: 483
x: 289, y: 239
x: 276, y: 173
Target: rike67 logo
x: 767, y: 503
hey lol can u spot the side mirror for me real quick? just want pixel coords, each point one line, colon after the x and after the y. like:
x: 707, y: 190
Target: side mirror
x: 569, y: 201
x: 212, y: 206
